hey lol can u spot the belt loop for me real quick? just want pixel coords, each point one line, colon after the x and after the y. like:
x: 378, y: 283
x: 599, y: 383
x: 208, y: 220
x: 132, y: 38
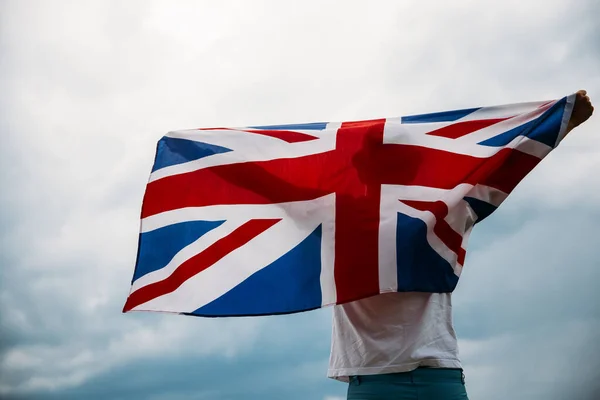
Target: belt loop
x: 462, y: 377
x: 355, y: 380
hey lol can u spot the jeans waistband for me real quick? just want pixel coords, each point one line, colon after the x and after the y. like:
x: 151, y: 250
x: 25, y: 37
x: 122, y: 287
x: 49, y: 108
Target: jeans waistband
x: 421, y: 374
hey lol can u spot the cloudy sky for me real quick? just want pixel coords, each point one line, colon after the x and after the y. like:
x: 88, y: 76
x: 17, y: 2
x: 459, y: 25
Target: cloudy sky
x: 88, y: 87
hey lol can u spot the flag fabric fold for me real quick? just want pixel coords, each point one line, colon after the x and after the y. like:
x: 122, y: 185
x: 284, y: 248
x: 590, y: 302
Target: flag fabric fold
x: 280, y: 219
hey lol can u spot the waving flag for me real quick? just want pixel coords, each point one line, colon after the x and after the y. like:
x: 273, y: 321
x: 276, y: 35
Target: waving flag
x: 281, y: 219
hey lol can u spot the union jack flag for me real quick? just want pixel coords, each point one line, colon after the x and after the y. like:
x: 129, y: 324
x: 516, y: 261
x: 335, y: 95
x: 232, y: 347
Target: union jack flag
x: 281, y: 219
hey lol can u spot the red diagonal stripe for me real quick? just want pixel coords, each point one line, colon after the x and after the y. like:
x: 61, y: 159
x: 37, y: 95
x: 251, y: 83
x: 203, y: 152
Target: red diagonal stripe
x: 546, y: 103
x: 460, y: 129
x: 452, y: 239
x: 288, y: 136
x: 200, y: 262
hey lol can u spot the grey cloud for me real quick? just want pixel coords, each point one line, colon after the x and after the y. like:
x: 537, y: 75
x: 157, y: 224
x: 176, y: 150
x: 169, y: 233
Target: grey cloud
x: 548, y: 361
x: 540, y: 272
x: 527, y: 308
x: 294, y: 372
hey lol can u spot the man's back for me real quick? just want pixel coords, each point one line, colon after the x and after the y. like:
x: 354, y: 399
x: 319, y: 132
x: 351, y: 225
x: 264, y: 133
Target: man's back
x: 393, y: 332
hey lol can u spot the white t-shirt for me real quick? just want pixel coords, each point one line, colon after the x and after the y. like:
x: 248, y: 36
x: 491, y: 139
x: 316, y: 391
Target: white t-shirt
x: 393, y: 332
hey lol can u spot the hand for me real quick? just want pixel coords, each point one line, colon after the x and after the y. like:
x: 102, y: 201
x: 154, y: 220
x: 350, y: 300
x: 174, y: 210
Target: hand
x: 582, y: 110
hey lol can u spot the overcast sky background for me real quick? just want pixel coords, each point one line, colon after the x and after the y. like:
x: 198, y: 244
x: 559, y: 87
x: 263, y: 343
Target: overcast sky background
x: 88, y: 87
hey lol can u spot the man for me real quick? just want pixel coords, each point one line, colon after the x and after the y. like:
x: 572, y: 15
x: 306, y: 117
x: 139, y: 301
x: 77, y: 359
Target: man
x: 402, y: 346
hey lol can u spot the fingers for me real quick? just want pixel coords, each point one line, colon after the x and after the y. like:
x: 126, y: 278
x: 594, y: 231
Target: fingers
x: 584, y: 99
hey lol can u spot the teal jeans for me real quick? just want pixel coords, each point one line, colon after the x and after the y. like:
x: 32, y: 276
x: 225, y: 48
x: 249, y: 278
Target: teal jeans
x: 420, y: 384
